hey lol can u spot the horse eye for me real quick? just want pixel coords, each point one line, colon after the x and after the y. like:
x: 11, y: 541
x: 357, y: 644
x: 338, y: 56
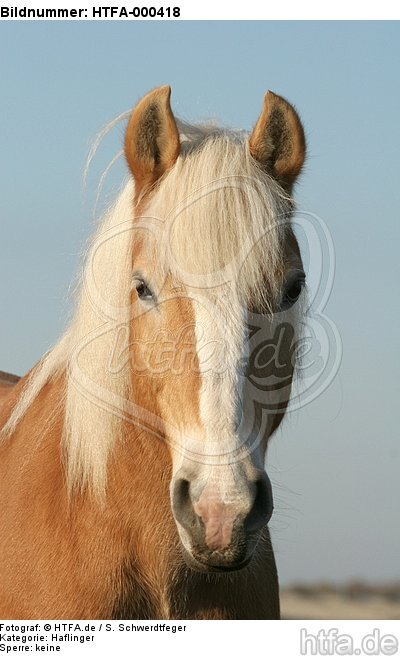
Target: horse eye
x: 293, y: 290
x: 143, y: 291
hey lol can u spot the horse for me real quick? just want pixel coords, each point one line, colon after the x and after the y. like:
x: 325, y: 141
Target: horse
x: 132, y: 455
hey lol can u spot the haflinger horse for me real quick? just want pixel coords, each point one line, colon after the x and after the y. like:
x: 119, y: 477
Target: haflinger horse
x: 132, y: 455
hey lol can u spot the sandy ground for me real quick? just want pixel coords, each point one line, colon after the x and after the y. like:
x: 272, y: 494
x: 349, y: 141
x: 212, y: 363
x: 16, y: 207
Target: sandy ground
x: 338, y: 605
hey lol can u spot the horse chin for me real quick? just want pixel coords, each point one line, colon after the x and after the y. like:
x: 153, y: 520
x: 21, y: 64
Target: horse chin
x: 206, y: 565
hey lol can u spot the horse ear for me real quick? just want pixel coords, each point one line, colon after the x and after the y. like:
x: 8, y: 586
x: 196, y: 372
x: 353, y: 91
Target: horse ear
x: 278, y: 142
x: 152, y: 138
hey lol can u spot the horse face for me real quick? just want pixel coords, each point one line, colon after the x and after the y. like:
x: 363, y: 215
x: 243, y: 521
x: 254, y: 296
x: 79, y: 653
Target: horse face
x: 217, y: 374
x: 216, y: 370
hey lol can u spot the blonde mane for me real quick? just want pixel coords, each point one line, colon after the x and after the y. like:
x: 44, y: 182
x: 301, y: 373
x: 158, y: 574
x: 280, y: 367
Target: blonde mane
x: 212, y: 202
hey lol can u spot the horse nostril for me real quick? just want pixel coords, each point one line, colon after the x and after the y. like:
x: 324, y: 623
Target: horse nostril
x: 262, y: 508
x: 181, y: 496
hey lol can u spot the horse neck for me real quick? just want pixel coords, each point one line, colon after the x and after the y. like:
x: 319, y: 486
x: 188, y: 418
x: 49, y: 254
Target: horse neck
x: 127, y: 541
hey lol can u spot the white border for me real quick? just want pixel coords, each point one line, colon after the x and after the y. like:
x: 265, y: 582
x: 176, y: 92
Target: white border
x: 219, y: 9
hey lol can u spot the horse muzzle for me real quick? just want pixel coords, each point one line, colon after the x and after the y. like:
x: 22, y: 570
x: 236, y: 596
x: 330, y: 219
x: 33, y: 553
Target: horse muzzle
x: 219, y: 524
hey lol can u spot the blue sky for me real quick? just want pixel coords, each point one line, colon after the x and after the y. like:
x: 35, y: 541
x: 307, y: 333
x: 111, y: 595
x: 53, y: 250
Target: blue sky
x: 335, y: 463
